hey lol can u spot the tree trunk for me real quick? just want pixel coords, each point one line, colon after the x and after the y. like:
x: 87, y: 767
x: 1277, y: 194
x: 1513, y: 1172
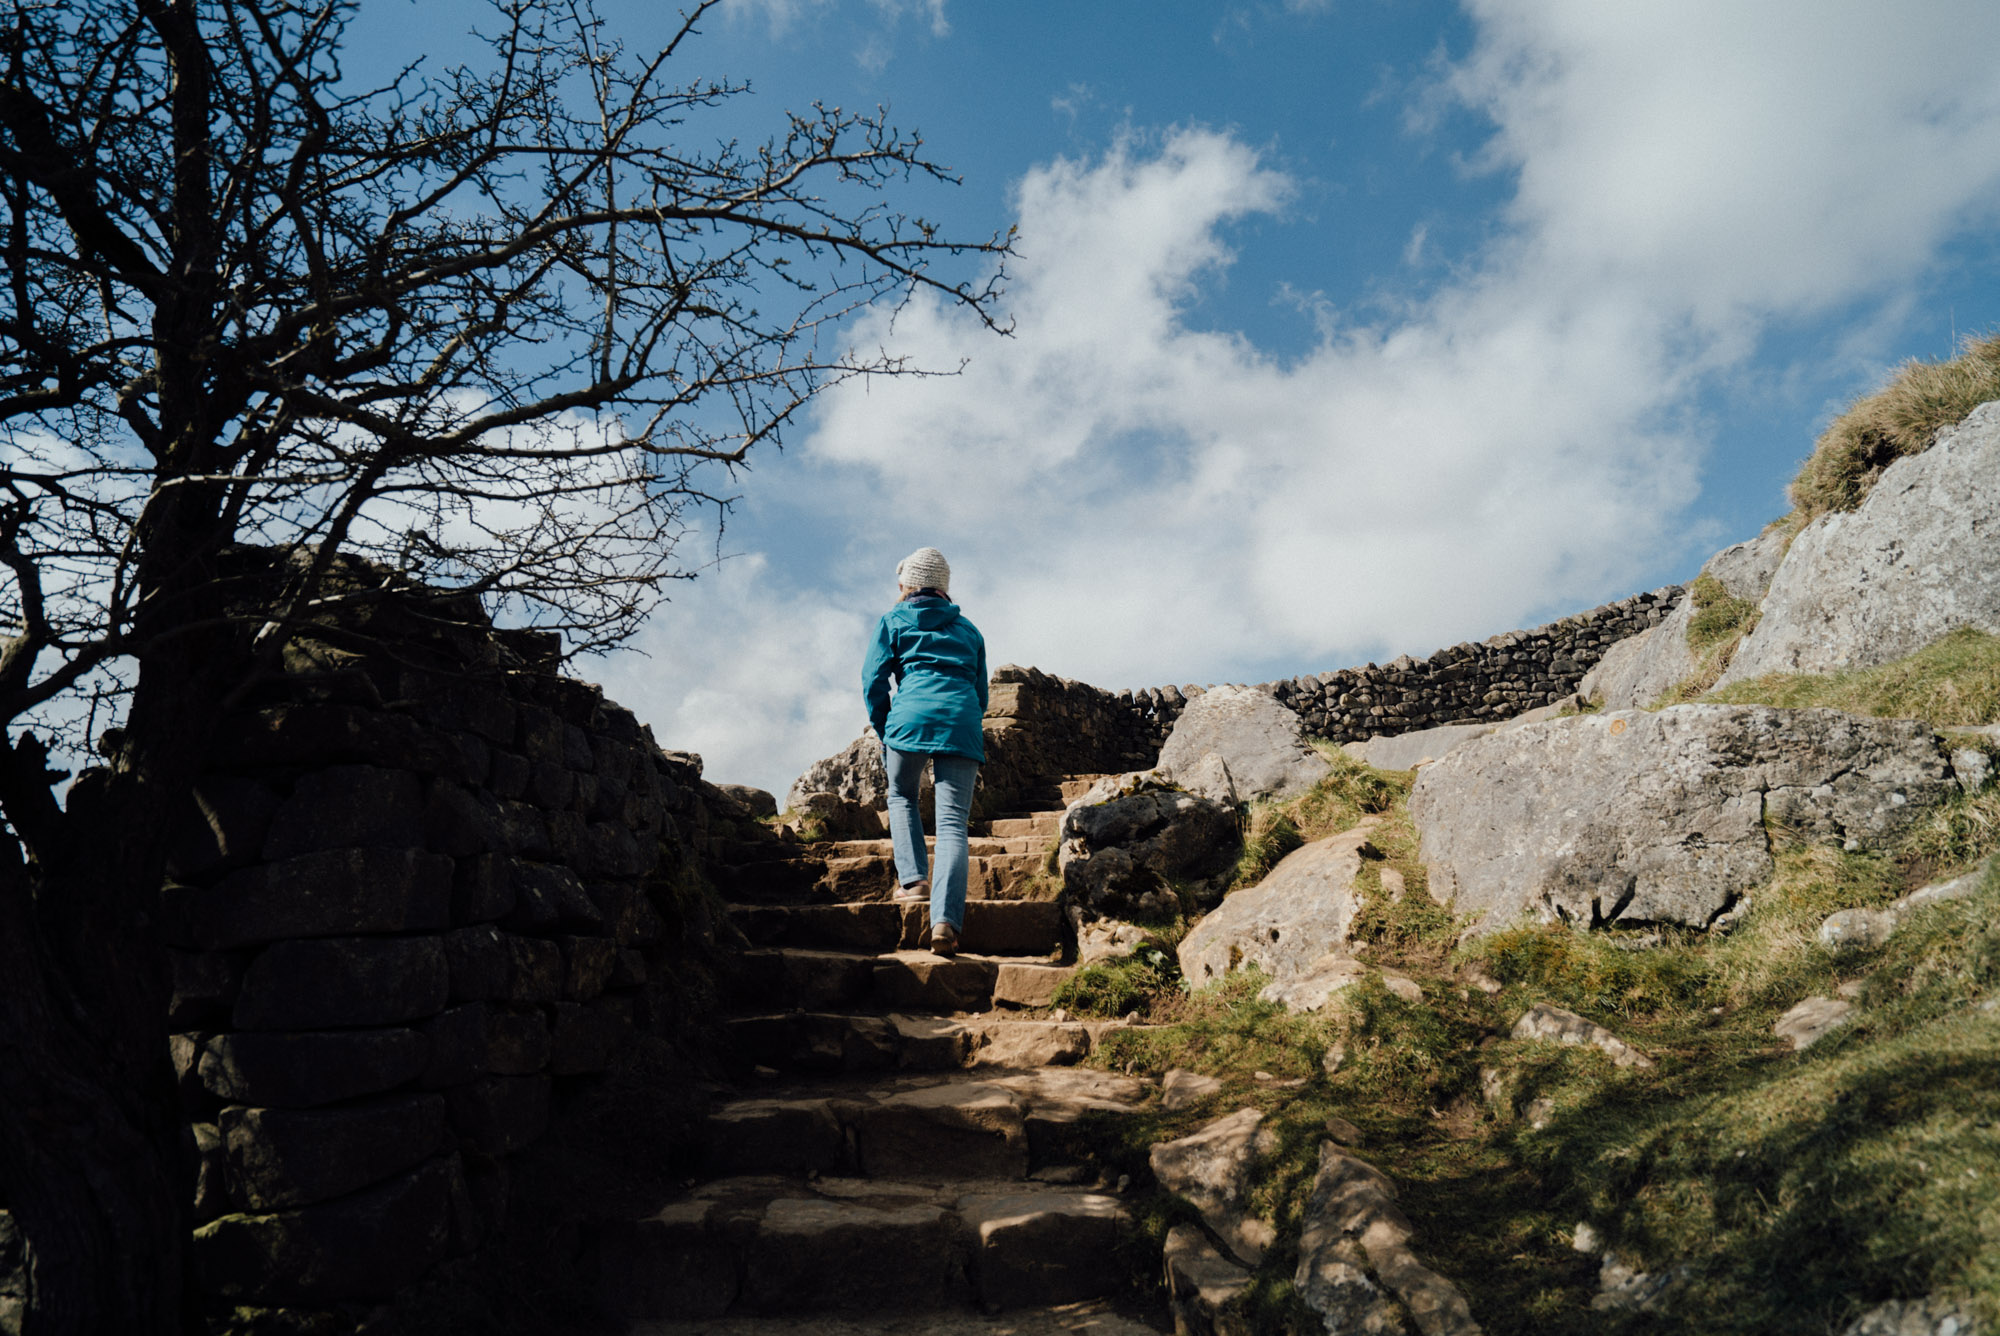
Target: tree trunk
x: 90, y: 1136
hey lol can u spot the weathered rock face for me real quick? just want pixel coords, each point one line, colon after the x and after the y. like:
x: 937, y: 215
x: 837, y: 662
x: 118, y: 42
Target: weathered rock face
x: 1629, y: 817
x: 1128, y: 840
x: 1745, y: 569
x: 1215, y: 1169
x: 855, y: 774
x: 1920, y: 557
x: 1262, y: 743
x: 1634, y: 673
x: 1285, y: 923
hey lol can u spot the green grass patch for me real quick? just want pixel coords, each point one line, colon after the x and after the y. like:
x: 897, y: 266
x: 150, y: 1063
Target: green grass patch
x: 1114, y: 988
x: 1952, y: 682
x: 1718, y: 615
x: 1902, y: 418
x: 1268, y: 835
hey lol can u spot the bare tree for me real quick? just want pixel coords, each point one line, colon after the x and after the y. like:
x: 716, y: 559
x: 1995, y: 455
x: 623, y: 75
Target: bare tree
x: 497, y: 326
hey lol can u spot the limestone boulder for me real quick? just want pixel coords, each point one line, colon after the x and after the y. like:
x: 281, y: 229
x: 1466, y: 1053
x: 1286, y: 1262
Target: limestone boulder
x: 1303, y: 910
x: 1812, y: 1020
x: 1920, y: 557
x: 1745, y: 569
x: 1216, y: 1169
x: 854, y: 775
x: 1640, y: 669
x: 1407, y: 751
x: 1130, y: 840
x: 1629, y: 817
x: 1260, y: 740
x: 1202, y: 1285
x: 1557, y: 1026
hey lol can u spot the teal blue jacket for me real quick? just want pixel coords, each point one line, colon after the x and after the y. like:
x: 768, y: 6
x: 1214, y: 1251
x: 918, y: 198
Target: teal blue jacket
x: 937, y: 659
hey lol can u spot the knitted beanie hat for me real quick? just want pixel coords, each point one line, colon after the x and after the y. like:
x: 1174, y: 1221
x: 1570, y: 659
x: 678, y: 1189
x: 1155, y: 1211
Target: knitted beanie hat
x: 924, y: 568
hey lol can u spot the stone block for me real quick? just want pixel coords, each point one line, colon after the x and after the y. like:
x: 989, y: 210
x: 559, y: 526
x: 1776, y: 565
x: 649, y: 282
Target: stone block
x: 963, y: 1130
x: 526, y: 830
x: 550, y: 785
x: 225, y: 829
x: 630, y: 971
x: 588, y: 1037
x: 318, y: 735
x: 517, y: 1040
x: 291, y: 1071
x: 843, y: 1255
x: 479, y: 963
x: 1021, y: 985
x: 535, y: 970
x: 587, y: 966
x: 457, y: 1040
x: 367, y: 1245
x: 794, y: 1137
x: 507, y: 775
x: 672, y: 1265
x: 1047, y: 1247
x: 548, y: 896
x: 482, y: 888
x: 461, y: 822
x: 334, y: 982
x: 211, y: 1179
x: 499, y: 1115
x: 292, y: 1157
x: 332, y: 893
x: 347, y: 806
x: 205, y: 984
x: 538, y: 734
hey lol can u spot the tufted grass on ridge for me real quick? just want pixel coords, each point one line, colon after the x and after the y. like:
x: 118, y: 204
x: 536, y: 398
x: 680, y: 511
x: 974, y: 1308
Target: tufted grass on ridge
x: 1954, y: 682
x: 1902, y: 418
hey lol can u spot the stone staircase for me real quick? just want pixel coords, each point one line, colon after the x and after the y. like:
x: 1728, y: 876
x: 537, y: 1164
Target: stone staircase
x: 901, y: 1134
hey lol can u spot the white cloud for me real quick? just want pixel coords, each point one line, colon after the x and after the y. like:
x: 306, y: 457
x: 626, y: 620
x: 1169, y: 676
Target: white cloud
x: 1131, y: 500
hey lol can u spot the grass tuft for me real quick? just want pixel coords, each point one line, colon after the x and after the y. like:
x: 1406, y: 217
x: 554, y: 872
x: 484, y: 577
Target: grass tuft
x: 1952, y: 682
x: 1902, y: 418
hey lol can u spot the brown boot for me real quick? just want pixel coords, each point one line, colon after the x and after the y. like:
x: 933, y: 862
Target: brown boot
x: 944, y: 939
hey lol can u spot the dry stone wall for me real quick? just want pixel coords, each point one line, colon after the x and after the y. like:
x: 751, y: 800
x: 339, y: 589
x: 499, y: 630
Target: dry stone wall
x: 428, y: 884
x: 1495, y: 679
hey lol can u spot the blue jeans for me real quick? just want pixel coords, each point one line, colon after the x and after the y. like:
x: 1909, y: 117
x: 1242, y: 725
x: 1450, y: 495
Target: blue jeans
x: 955, y: 776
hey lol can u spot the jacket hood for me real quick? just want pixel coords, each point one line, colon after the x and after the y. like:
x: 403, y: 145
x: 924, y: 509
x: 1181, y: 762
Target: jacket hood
x: 927, y: 614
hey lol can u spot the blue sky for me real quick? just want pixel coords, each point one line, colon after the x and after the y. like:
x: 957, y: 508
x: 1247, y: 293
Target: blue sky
x: 1345, y: 328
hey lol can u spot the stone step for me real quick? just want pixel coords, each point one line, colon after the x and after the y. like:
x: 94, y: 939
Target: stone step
x: 765, y: 1246
x: 1044, y: 826
x: 873, y: 877
x: 929, y: 1128
x: 813, y: 979
x: 994, y: 927
x: 977, y: 845
x: 1073, y: 787
x: 827, y: 1041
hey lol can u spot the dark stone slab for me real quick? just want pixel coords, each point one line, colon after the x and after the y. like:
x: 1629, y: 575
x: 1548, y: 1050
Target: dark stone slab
x: 330, y: 983
x: 482, y: 888
x: 364, y: 1246
x: 292, y: 1157
x: 588, y: 1037
x: 293, y: 1071
x: 347, y: 806
x: 333, y: 893
x: 587, y: 966
x: 517, y: 1040
x: 225, y: 829
x: 499, y: 1115
x: 461, y: 822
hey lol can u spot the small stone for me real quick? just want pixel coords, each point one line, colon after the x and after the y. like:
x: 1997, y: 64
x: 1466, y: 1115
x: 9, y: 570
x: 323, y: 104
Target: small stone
x: 1812, y: 1020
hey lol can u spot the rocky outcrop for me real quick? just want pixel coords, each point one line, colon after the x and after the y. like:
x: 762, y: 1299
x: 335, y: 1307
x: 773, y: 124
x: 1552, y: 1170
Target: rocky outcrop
x: 1637, y: 672
x: 1629, y: 817
x: 854, y: 774
x: 1261, y: 742
x: 1302, y: 910
x: 1132, y: 840
x: 1920, y: 557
